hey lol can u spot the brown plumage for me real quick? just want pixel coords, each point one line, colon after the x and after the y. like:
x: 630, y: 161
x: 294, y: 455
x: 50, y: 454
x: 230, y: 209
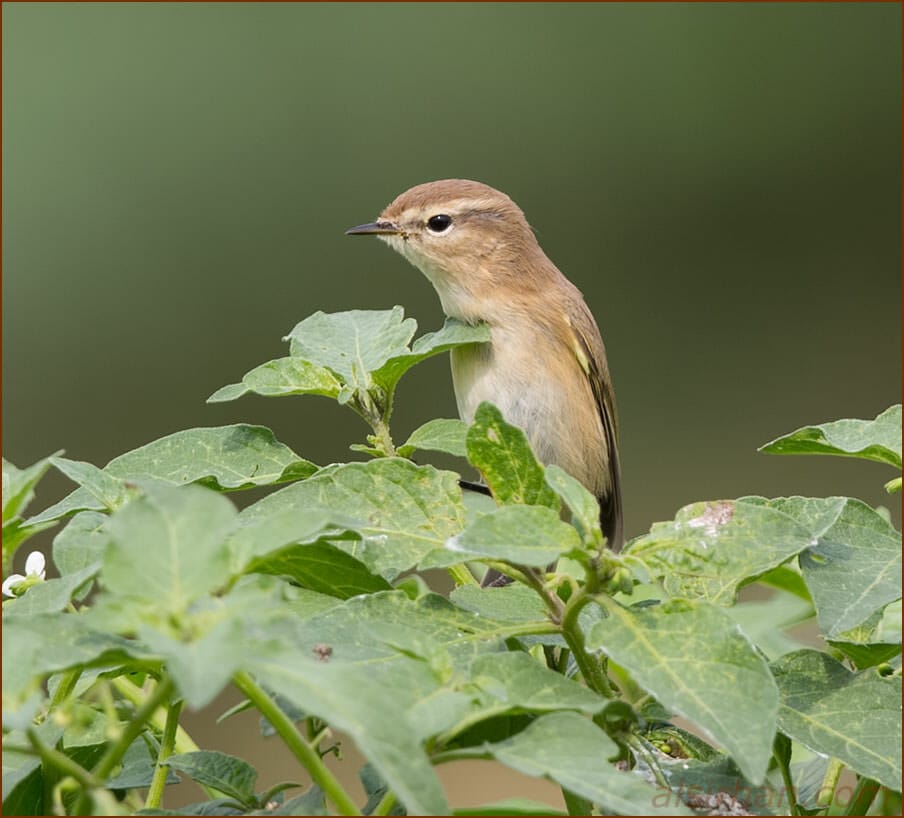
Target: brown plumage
x: 545, y: 365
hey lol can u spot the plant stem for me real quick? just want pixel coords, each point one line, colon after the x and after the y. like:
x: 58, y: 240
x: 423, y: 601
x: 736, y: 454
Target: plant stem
x: 593, y: 673
x: 167, y: 743
x: 387, y: 802
x: 65, y: 687
x: 863, y: 797
x: 308, y: 756
x: 184, y: 742
x: 826, y: 794
x: 793, y: 808
x: 51, y: 757
x: 639, y: 746
x: 462, y: 575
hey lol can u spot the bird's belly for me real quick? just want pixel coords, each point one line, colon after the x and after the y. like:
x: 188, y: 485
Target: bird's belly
x: 529, y: 383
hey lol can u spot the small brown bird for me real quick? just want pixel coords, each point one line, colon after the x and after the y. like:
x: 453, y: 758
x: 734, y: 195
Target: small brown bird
x: 545, y: 365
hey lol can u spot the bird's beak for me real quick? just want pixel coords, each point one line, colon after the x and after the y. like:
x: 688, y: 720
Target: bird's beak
x: 378, y: 228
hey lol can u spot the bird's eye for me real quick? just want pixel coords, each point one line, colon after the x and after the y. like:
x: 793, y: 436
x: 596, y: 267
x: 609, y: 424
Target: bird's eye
x: 439, y: 224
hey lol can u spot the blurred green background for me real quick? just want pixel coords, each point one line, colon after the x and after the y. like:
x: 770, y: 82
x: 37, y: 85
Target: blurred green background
x: 723, y: 182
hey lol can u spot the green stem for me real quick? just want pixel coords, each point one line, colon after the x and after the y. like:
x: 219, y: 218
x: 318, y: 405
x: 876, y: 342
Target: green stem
x: 639, y: 746
x: 167, y: 744
x: 65, y: 687
x: 826, y: 794
x: 308, y: 756
x: 51, y: 757
x: 184, y: 742
x: 785, y: 770
x: 863, y: 797
x: 130, y: 732
x: 591, y: 669
x: 462, y: 575
x: 387, y: 802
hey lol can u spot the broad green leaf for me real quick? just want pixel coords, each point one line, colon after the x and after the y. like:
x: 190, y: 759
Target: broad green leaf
x: 51, y: 595
x: 510, y: 603
x: 15, y: 533
x: 711, y: 548
x: 401, y: 511
x: 453, y: 334
x: 765, y: 622
x: 572, y: 751
x: 81, y: 543
x: 323, y: 568
x: 889, y: 627
x: 19, y: 484
x: 352, y: 344
x: 23, y: 790
x: 514, y: 682
x: 510, y: 806
x: 369, y: 704
x: 168, y: 546
x: 440, y: 435
x: 523, y: 535
x: 224, y: 458
x: 878, y: 439
x: 854, y: 569
x: 312, y: 802
x: 229, y: 775
x: 855, y: 717
x: 283, y: 376
x: 717, y: 787
x: 504, y: 456
x: 137, y: 769
x: 584, y: 507
x: 108, y: 492
x: 34, y: 646
x: 693, y: 658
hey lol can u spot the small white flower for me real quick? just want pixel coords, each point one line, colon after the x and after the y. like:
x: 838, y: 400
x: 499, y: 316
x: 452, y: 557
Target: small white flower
x: 34, y: 573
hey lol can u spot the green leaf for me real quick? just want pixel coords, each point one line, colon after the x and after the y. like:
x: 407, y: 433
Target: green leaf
x: 515, y: 681
x: 765, y: 622
x: 692, y: 657
x: 572, y: 751
x: 401, y: 511
x: 34, y: 646
x: 854, y: 569
x: 229, y: 775
x: 523, y: 535
x: 510, y: 806
x: 19, y: 484
x: 352, y: 344
x: 106, y: 491
x: 51, y: 595
x: 855, y: 717
x: 440, y: 435
x: 323, y: 568
x: 504, y: 456
x: 81, y: 543
x: 14, y: 534
x: 711, y: 548
x: 510, y: 603
x: 878, y: 439
x: 222, y: 457
x: 453, y: 334
x: 283, y: 376
x: 137, y: 769
x: 168, y: 546
x: 584, y: 507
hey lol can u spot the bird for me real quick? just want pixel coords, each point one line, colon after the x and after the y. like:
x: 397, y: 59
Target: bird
x: 545, y: 364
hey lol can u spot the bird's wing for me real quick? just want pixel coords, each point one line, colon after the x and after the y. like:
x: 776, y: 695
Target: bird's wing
x: 591, y: 354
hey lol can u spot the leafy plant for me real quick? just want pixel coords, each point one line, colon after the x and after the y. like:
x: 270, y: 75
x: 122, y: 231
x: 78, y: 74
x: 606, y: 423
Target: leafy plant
x: 305, y: 601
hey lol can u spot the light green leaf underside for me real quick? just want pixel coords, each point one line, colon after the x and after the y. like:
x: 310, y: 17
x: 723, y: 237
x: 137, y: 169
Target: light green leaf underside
x: 878, y: 440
